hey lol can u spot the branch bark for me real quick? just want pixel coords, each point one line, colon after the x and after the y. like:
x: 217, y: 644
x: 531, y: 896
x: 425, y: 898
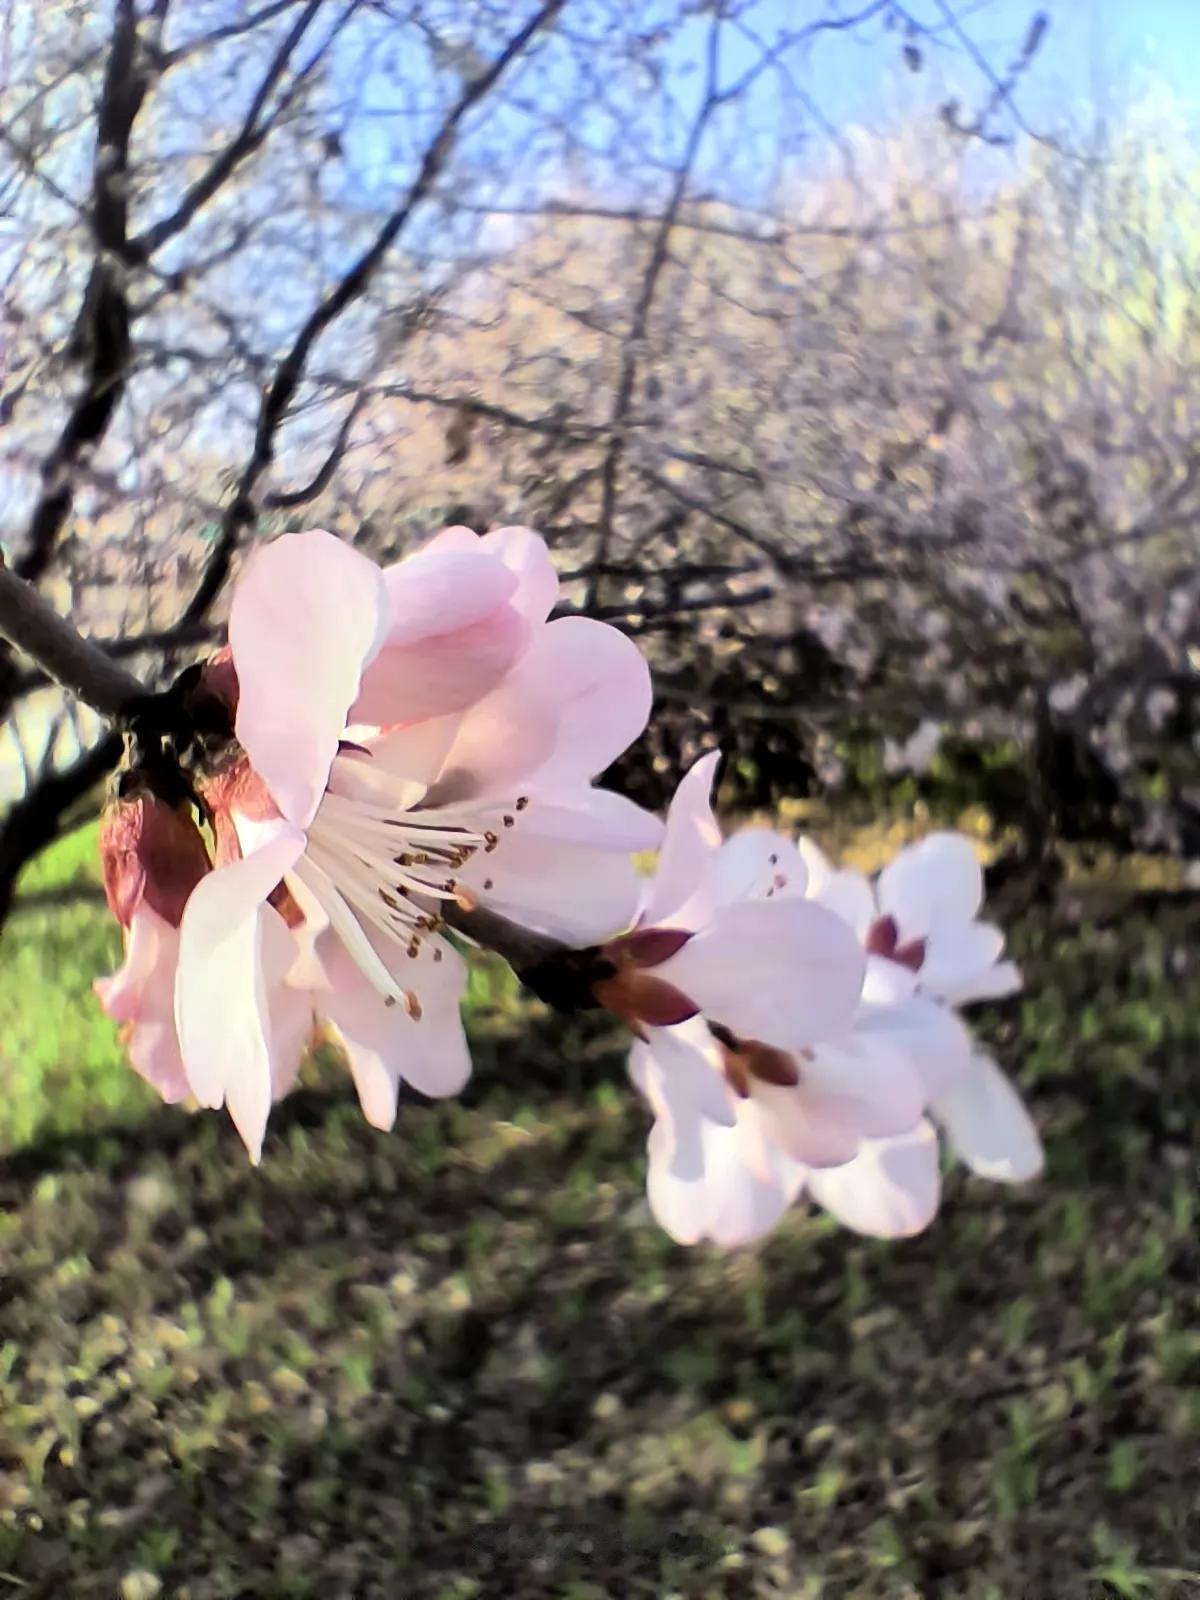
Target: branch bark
x: 30, y: 622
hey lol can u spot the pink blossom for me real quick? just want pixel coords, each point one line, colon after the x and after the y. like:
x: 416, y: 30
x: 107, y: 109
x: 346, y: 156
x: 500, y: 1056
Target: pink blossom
x: 152, y: 857
x: 412, y: 737
x: 766, y: 1074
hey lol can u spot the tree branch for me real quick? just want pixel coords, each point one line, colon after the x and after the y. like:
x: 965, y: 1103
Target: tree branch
x: 101, y: 334
x: 244, y: 144
x: 30, y: 622
x: 281, y: 392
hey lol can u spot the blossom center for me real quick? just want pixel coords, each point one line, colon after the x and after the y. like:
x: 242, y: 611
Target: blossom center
x: 385, y: 872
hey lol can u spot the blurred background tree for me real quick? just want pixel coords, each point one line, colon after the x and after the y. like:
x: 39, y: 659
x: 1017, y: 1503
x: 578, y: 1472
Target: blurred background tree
x: 883, y: 438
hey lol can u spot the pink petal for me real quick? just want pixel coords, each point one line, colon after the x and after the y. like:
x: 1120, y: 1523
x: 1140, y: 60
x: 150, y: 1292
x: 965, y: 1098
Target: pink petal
x: 455, y: 537
x: 443, y: 590
x: 222, y: 1001
x: 954, y: 960
x: 142, y: 994
x: 683, y: 890
x: 597, y: 817
x: 839, y: 889
x: 600, y: 685
x: 786, y: 972
x: 988, y: 1126
x: 401, y: 763
x: 721, y: 1196
x: 887, y: 982
x: 987, y: 983
x: 498, y: 744
x: 566, y: 890
x: 890, y: 1190
x: 307, y: 615
x: 871, y: 1077
x: 815, y: 1130
x: 691, y: 1080
x: 524, y: 553
x: 384, y: 1045
x: 757, y: 863
x: 936, y: 884
x: 441, y: 673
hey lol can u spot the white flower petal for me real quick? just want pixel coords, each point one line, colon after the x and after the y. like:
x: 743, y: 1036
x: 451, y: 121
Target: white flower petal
x: 988, y: 1126
x: 890, y: 1190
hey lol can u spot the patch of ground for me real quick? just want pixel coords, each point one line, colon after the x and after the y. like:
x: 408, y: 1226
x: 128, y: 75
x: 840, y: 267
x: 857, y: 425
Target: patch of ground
x: 459, y: 1361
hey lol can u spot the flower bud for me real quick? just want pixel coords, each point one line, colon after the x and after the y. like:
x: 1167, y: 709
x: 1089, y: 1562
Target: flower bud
x: 150, y: 852
x: 631, y: 991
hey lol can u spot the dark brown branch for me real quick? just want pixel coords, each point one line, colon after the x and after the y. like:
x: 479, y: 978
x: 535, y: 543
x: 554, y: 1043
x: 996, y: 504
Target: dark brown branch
x: 101, y: 335
x: 283, y: 500
x: 37, y: 819
x: 231, y: 30
x: 247, y: 140
x: 30, y: 622
x: 287, y: 378
x: 522, y: 948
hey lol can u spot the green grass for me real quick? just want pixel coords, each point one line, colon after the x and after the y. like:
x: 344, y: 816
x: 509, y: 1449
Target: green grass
x: 458, y: 1360
x: 61, y: 1064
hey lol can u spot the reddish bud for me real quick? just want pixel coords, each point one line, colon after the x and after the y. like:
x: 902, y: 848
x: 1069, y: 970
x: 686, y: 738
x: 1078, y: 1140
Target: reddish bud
x: 644, y: 1001
x: 149, y: 852
x: 747, y: 1059
x: 648, y: 947
x: 239, y: 788
x: 219, y: 681
x: 883, y: 939
x: 910, y: 955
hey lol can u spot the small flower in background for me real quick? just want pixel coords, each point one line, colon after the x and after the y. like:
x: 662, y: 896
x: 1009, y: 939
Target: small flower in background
x: 768, y: 1075
x: 840, y: 1114
x: 927, y: 952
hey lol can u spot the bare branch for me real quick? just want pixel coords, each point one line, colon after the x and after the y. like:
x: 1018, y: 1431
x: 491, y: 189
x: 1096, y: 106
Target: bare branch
x: 247, y: 140
x: 291, y: 369
x: 28, y: 621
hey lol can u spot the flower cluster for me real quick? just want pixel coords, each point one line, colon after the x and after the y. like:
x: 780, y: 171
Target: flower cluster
x: 799, y: 1031
x: 420, y: 743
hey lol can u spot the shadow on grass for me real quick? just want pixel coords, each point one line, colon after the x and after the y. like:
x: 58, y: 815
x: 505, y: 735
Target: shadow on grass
x: 458, y: 1360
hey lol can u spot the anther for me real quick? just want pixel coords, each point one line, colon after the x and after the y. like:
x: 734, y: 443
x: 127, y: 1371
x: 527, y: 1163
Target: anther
x: 509, y: 822
x: 412, y: 1005
x: 522, y: 802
